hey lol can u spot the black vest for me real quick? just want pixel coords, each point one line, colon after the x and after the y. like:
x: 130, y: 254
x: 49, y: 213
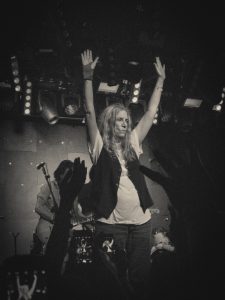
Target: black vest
x: 106, y: 180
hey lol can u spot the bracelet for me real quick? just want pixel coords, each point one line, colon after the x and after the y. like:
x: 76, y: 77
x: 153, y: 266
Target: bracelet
x: 159, y: 88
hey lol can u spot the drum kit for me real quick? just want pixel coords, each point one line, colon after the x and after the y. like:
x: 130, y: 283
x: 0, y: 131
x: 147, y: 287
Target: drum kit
x: 84, y: 244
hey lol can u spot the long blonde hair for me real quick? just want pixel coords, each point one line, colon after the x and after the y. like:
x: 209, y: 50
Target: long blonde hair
x: 106, y: 124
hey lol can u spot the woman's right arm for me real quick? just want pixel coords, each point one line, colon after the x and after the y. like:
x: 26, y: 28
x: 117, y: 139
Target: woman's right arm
x: 88, y: 71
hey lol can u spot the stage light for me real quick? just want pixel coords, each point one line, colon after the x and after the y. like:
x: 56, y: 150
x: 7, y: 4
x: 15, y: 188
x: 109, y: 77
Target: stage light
x: 218, y: 107
x: 134, y: 100
x: 48, y: 107
x: 16, y: 80
x: 136, y: 88
x: 15, y: 73
x: 27, y: 104
x: 137, y: 85
x: 17, y: 88
x: 192, y: 103
x: 104, y: 87
x: 27, y: 111
x: 27, y: 97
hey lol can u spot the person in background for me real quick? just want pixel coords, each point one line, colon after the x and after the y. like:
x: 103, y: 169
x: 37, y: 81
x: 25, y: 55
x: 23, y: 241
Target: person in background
x: 164, y: 267
x: 48, y: 201
x: 120, y: 195
x: 161, y: 241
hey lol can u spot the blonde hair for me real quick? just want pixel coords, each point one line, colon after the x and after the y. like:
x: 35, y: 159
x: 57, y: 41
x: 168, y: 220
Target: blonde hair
x: 106, y: 124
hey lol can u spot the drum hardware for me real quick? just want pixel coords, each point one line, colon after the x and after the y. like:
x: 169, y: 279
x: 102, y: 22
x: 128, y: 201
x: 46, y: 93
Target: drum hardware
x: 81, y: 247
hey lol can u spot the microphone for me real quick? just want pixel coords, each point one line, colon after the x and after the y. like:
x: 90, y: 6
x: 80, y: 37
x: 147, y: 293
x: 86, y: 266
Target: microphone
x: 40, y: 165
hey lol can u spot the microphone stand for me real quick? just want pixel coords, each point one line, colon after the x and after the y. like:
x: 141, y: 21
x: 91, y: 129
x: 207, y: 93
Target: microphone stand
x: 47, y: 177
x: 15, y: 241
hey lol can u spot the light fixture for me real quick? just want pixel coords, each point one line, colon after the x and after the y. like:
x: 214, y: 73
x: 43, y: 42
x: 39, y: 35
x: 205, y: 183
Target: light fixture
x: 136, y: 88
x: 218, y: 107
x: 15, y: 73
x: 192, y: 103
x: 48, y: 107
x: 27, y: 97
x: 104, y: 87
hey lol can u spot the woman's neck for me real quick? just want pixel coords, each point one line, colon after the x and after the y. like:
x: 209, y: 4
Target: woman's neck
x: 118, y: 140
x: 118, y: 145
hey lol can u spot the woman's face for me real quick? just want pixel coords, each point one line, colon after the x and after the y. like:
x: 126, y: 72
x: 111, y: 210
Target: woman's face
x: 121, y: 124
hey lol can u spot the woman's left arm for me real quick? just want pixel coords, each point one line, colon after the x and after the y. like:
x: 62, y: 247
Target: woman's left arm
x: 146, y: 121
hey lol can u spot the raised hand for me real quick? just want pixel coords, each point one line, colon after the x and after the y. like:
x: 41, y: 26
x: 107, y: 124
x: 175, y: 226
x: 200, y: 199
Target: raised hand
x: 72, y: 183
x: 88, y: 64
x: 160, y: 69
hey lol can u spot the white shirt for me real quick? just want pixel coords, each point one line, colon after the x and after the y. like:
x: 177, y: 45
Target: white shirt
x: 128, y: 209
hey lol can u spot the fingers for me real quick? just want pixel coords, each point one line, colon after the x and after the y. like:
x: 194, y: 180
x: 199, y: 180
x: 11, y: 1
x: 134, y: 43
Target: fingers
x: 158, y: 63
x: 90, y: 55
x: 87, y: 58
x: 158, y: 60
x: 95, y: 62
x: 160, y: 68
x: 76, y: 162
x: 82, y: 58
x: 79, y: 168
x: 83, y: 170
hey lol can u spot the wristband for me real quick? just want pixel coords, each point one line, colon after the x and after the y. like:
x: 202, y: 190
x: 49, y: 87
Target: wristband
x: 90, y: 77
x: 88, y: 72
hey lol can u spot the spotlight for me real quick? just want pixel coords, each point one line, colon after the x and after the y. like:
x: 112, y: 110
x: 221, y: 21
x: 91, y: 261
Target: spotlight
x: 48, y: 107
